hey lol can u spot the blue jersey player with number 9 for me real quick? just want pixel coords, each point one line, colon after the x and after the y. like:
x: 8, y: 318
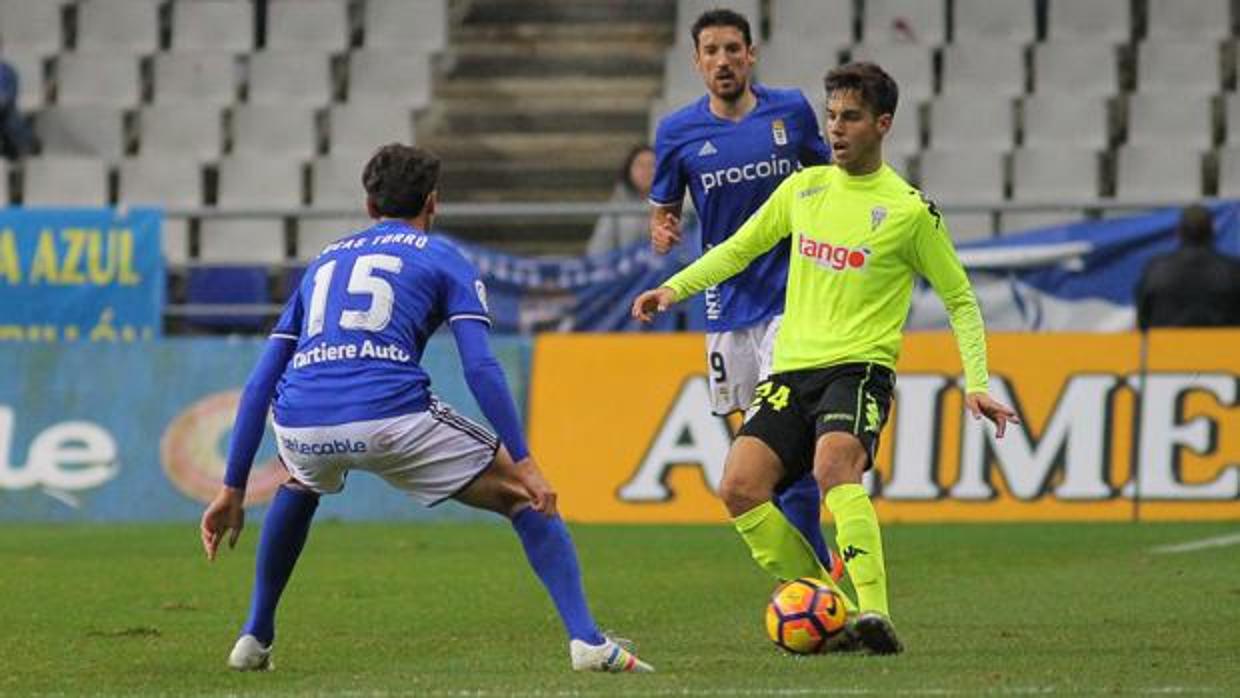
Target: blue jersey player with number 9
x: 731, y: 148
x: 342, y: 370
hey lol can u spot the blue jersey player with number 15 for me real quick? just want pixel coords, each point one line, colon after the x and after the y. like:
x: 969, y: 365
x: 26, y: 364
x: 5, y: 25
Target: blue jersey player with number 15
x: 342, y: 369
x: 731, y: 148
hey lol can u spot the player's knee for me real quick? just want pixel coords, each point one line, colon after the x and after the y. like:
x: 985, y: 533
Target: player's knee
x: 740, y: 494
x: 511, y: 499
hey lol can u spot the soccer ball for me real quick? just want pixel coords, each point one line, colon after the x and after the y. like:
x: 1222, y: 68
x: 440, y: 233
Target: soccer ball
x: 805, y: 616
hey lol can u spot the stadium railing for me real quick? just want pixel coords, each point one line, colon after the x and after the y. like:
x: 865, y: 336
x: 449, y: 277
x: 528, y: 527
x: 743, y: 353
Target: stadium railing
x: 461, y: 215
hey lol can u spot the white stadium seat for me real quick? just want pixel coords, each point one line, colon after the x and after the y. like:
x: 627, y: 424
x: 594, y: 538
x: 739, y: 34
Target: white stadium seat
x: 87, y: 130
x: 167, y: 183
x: 1152, y: 116
x: 195, y: 77
x: 922, y: 22
x: 420, y: 25
x: 118, y: 26
x: 251, y: 182
x: 1183, y: 66
x: 1093, y: 21
x: 64, y: 181
x: 1057, y: 68
x: 354, y: 127
x: 181, y: 131
x: 990, y: 20
x: 991, y: 67
x: 1154, y: 172
x: 1062, y: 119
x: 301, y: 78
x: 396, y: 78
x: 979, y: 120
x: 213, y: 25
x: 31, y: 27
x: 307, y: 24
x: 286, y: 131
x: 97, y: 78
x: 1188, y: 20
x: 802, y: 21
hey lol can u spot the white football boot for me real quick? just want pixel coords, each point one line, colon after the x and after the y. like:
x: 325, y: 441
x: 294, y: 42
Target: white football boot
x: 250, y: 655
x: 609, y: 656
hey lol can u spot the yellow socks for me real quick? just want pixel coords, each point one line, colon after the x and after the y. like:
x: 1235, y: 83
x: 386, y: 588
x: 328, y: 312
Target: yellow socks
x: 860, y: 543
x: 779, y: 548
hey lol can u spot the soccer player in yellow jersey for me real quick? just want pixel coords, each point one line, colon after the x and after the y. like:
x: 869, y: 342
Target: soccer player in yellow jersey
x: 859, y: 234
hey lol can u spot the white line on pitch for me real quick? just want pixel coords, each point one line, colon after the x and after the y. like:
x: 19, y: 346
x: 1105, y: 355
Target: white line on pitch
x: 1203, y: 544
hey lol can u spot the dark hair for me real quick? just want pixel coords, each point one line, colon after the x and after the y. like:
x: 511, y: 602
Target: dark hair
x: 628, y: 164
x: 878, y: 91
x: 720, y: 17
x: 1196, y: 225
x: 398, y: 178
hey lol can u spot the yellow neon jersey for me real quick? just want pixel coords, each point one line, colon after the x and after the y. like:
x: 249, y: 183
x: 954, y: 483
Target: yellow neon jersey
x: 856, y: 244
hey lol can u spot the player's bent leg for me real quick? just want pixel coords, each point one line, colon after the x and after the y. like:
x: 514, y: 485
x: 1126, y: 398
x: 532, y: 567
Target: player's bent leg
x: 840, y: 460
x: 280, y: 544
x: 550, y: 552
x: 749, y: 478
x: 801, y: 503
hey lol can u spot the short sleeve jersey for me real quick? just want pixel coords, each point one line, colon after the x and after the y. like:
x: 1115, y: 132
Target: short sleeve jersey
x: 361, y: 318
x: 730, y: 168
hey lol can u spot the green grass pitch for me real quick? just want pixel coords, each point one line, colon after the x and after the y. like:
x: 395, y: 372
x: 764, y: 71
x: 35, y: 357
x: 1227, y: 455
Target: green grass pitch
x: 453, y: 610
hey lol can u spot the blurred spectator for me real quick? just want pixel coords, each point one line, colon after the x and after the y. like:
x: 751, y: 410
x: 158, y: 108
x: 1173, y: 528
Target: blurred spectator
x: 1194, y: 286
x: 15, y: 137
x: 613, y: 231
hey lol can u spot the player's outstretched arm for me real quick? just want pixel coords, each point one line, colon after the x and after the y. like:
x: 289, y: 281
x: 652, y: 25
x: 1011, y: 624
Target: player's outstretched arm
x: 982, y: 405
x: 225, y: 513
x: 656, y: 300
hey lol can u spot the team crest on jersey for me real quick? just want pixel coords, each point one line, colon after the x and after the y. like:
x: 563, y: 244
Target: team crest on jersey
x: 778, y: 132
x: 878, y: 214
x: 708, y: 148
x: 481, y: 289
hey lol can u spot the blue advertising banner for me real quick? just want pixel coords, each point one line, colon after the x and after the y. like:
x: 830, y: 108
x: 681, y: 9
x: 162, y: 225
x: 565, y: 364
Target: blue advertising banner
x: 127, y: 432
x: 80, y: 274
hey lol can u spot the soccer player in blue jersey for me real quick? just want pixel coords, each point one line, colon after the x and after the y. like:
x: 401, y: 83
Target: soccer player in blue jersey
x: 342, y: 370
x: 731, y: 148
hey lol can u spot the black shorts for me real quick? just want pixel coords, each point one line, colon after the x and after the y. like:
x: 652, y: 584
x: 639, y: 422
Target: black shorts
x: 791, y: 410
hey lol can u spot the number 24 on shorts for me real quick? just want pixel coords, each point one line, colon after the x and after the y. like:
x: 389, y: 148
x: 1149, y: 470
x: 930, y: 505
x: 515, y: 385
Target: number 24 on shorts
x: 775, y: 396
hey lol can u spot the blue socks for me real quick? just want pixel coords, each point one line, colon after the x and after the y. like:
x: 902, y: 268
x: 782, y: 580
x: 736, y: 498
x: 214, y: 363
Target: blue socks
x: 283, y: 536
x: 801, y: 504
x: 550, y: 551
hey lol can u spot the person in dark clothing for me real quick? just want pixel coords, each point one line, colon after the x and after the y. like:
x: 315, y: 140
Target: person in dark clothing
x: 16, y: 139
x: 1194, y: 286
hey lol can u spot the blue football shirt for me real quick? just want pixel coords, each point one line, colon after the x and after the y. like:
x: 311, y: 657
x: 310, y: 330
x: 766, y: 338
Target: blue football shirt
x: 361, y: 318
x: 730, y: 168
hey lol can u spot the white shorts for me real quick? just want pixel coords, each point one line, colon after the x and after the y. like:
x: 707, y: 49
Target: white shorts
x: 430, y: 455
x: 736, y: 362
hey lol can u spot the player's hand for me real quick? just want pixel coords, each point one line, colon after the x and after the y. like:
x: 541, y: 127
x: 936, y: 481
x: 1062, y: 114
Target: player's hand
x: 531, y: 478
x: 982, y: 405
x: 665, y: 234
x: 225, y: 514
x: 656, y: 300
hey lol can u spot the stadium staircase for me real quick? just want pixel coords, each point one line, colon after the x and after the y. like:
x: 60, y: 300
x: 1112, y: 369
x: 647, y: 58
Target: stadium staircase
x: 540, y: 101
